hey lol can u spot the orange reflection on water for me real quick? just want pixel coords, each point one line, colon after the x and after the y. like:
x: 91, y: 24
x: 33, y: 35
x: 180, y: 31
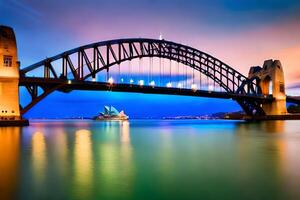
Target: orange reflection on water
x: 9, y: 161
x: 126, y: 162
x: 281, y: 143
x: 274, y: 126
x: 39, y: 160
x: 126, y: 150
x: 83, y: 162
x: 277, y: 140
x: 125, y: 135
x: 60, y: 150
x: 291, y: 158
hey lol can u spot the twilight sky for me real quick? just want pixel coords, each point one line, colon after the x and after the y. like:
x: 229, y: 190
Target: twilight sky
x: 241, y: 33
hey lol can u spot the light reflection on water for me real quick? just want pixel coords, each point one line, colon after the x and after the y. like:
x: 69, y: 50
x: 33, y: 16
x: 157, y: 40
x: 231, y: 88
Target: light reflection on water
x: 9, y: 161
x: 83, y: 162
x: 39, y: 160
x: 151, y: 159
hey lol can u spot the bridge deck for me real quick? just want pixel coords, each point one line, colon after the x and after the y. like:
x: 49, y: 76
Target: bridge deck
x: 65, y: 86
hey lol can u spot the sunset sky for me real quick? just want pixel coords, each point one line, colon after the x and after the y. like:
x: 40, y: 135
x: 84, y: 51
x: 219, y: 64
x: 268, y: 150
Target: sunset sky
x: 242, y: 33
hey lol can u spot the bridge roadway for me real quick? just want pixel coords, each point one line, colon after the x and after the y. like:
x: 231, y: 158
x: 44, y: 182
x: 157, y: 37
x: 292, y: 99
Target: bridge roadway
x: 66, y: 86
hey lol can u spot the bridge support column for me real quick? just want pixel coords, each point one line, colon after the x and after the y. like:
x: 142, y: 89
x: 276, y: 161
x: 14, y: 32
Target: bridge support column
x: 9, y: 80
x: 271, y: 78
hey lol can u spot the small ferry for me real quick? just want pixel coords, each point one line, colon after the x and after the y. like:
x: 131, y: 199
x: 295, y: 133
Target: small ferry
x: 111, y: 113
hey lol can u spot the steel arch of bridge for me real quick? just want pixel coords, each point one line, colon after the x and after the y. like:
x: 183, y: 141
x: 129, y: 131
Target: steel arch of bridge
x: 109, y: 53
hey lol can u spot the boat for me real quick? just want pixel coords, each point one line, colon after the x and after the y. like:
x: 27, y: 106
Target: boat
x: 111, y: 113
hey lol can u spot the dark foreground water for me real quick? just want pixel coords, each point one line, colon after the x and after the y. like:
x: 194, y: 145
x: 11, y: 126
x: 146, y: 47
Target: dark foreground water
x: 151, y: 160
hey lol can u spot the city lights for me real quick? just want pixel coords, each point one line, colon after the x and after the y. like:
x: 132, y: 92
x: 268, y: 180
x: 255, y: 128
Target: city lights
x: 169, y: 85
x: 152, y: 83
x: 131, y: 81
x: 194, y: 87
x: 179, y: 85
x: 110, y: 80
x: 141, y: 82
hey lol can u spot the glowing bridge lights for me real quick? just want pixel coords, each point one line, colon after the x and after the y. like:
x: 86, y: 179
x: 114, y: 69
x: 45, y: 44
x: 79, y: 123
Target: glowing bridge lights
x: 110, y: 80
x: 152, y: 83
x: 94, y: 79
x: 122, y: 80
x: 141, y: 82
x: 69, y: 81
x: 169, y: 85
x: 131, y: 81
x: 179, y: 85
x: 194, y: 87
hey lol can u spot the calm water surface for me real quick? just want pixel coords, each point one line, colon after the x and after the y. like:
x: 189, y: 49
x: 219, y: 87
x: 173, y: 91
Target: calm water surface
x: 153, y: 159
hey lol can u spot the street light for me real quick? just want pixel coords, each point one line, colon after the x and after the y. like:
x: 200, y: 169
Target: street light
x: 141, y: 82
x: 194, y: 87
x: 110, y: 81
x: 152, y: 83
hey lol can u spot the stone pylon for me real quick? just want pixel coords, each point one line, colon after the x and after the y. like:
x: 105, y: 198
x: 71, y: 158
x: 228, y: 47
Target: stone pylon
x: 9, y: 75
x: 271, y: 78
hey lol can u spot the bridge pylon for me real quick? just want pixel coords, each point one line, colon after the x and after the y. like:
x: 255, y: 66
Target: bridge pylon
x: 271, y: 82
x: 9, y: 79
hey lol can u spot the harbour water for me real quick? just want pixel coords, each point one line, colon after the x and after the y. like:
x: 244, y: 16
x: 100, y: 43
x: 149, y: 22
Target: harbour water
x: 151, y: 159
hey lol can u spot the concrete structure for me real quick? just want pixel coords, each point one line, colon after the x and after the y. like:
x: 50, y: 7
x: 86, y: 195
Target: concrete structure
x: 272, y: 83
x: 9, y: 77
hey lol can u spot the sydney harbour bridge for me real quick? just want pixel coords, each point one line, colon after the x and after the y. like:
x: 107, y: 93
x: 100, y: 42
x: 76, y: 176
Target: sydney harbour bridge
x: 140, y: 65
